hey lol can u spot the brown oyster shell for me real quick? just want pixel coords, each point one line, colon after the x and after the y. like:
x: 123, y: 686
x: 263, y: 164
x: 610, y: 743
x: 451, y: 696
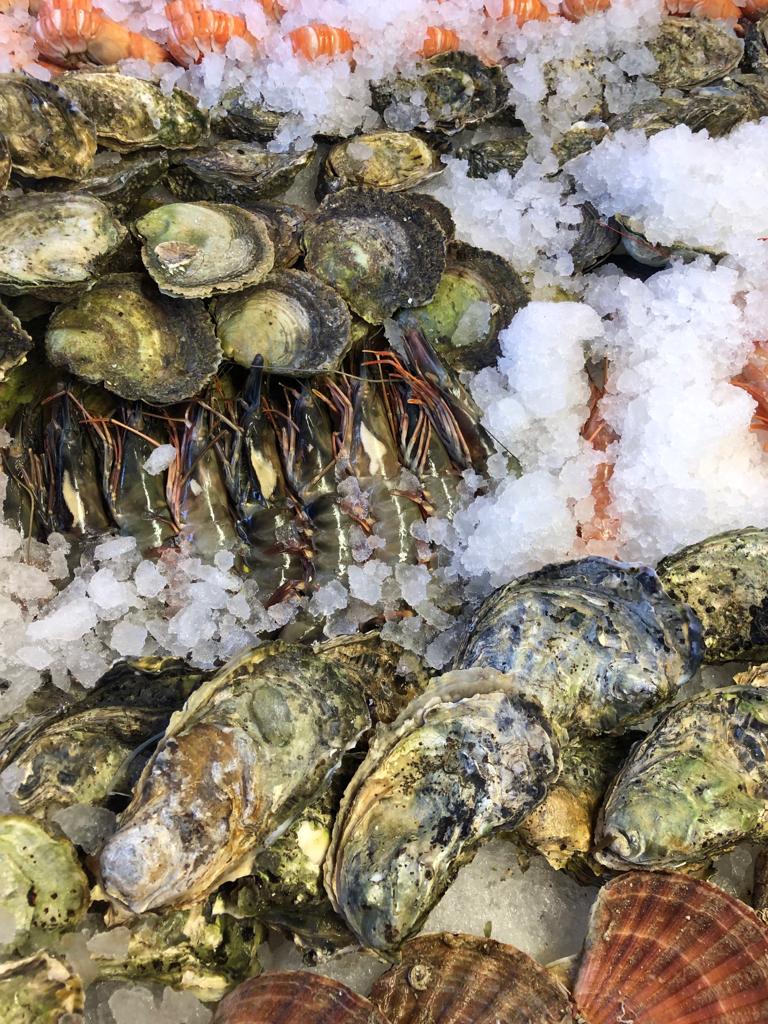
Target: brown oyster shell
x: 295, y: 997
x: 463, y: 979
x: 663, y: 948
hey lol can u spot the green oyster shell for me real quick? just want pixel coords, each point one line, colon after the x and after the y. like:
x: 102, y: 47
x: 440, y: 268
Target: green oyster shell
x: 39, y: 990
x: 693, y: 51
x: 494, y: 155
x: 5, y: 163
x: 15, y: 343
x: 118, y: 181
x: 392, y: 161
x: 235, y: 172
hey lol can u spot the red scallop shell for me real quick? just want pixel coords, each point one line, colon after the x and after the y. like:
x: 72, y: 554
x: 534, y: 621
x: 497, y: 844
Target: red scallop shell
x: 295, y: 997
x: 463, y: 979
x: 663, y: 948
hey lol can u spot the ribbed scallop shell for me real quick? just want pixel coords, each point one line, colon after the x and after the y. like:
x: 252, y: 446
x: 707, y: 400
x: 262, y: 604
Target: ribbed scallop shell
x: 463, y: 979
x: 663, y: 948
x: 295, y: 997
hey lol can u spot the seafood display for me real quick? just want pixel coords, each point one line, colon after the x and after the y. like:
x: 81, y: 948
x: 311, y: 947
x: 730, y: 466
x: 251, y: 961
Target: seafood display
x: 318, y: 451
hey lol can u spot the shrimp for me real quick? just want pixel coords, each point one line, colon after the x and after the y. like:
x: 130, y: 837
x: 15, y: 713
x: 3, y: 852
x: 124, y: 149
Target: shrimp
x: 726, y: 10
x: 313, y: 41
x: 439, y: 40
x: 754, y: 8
x: 575, y: 10
x: 196, y: 31
x: 754, y: 380
x: 602, y: 527
x: 69, y: 32
x: 523, y: 10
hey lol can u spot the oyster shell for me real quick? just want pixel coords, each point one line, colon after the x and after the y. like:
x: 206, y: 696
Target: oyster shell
x: 459, y: 91
x: 295, y: 997
x: 391, y: 161
x: 52, y: 245
x: 46, y: 133
x: 118, y: 181
x: 41, y: 882
x: 693, y: 51
x: 463, y: 979
x: 235, y: 172
x: 5, y: 162
x: 138, y: 343
x: 240, y: 117
x: 651, y: 254
x: 595, y: 241
x: 40, y: 990
x: 129, y: 113
x: 195, y: 250
x: 693, y: 788
x: 439, y: 211
x: 236, y: 765
x: 494, y: 155
x: 725, y: 580
x: 15, y: 343
x: 599, y: 643
x: 466, y: 759
x: 378, y: 249
x: 478, y: 294
x: 295, y: 322
x: 663, y: 949
x: 285, y: 226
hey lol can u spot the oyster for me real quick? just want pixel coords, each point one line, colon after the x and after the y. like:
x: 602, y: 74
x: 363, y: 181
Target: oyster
x: 46, y: 134
x: 40, y: 990
x: 599, y: 643
x: 725, y: 580
x: 379, y: 250
x: 476, y: 298
x: 5, y: 162
x: 439, y: 211
x: 120, y: 180
x: 41, y: 882
x: 285, y: 226
x: 459, y: 91
x: 561, y: 828
x: 138, y: 343
x: 595, y: 240
x: 195, y: 250
x: 663, y: 949
x: 652, y: 254
x: 129, y: 113
x: 15, y: 343
x: 241, y: 117
x: 693, y: 51
x: 391, y: 161
x: 295, y: 997
x: 466, y: 759
x: 494, y: 155
x: 297, y: 324
x: 235, y: 767
x: 235, y: 172
x: 693, y: 788
x: 52, y: 245
x: 463, y: 979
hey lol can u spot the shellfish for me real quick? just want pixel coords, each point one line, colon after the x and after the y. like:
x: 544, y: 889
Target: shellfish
x: 292, y: 996
x: 39, y: 990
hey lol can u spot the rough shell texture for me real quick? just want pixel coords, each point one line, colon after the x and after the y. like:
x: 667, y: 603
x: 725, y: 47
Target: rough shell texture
x: 693, y: 51
x: 129, y: 113
x: 39, y: 990
x: 47, y: 134
x: 5, y: 162
x: 52, y: 245
x: 465, y: 759
x: 41, y: 882
x: 138, y: 343
x: 295, y: 997
x: 285, y: 225
x: 598, y: 642
x: 118, y: 181
x: 392, y: 161
x: 250, y: 748
x: 694, y: 787
x: 595, y: 241
x: 195, y: 250
x: 294, y: 321
x: 494, y: 155
x: 14, y: 341
x: 378, y: 249
x: 235, y: 172
x: 666, y: 949
x: 725, y: 580
x: 463, y: 979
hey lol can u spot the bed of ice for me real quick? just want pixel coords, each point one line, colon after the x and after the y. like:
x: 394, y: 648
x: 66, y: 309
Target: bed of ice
x: 687, y: 463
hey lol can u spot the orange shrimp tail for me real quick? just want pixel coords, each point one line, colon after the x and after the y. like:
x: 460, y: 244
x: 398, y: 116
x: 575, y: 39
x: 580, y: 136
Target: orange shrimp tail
x: 439, y: 40
x: 313, y: 41
x: 754, y: 380
x: 726, y: 10
x: 71, y: 32
x: 523, y: 10
x: 754, y: 8
x: 575, y: 10
x: 195, y: 31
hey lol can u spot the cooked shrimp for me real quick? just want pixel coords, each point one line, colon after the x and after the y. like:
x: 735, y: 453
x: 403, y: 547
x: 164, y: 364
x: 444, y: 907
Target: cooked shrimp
x: 723, y: 9
x: 74, y: 31
x: 439, y: 40
x: 523, y: 10
x: 754, y: 379
x: 754, y: 8
x: 575, y: 10
x: 195, y: 31
x: 313, y: 41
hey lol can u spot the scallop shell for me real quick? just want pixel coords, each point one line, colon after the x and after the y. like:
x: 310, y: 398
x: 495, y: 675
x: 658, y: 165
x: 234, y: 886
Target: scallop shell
x: 663, y: 948
x: 463, y: 979
x: 295, y: 997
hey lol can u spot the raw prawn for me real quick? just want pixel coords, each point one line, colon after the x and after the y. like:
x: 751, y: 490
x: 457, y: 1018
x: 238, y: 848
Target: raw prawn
x: 73, y: 31
x: 575, y: 10
x: 523, y: 10
x: 439, y: 40
x: 313, y: 41
x: 195, y: 31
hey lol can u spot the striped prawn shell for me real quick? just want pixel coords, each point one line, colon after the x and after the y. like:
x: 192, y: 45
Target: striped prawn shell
x: 295, y: 997
x: 663, y: 948
x: 523, y: 10
x: 195, y: 30
x: 575, y: 10
x: 313, y: 41
x: 69, y: 31
x: 463, y: 979
x: 439, y: 40
x: 722, y: 9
